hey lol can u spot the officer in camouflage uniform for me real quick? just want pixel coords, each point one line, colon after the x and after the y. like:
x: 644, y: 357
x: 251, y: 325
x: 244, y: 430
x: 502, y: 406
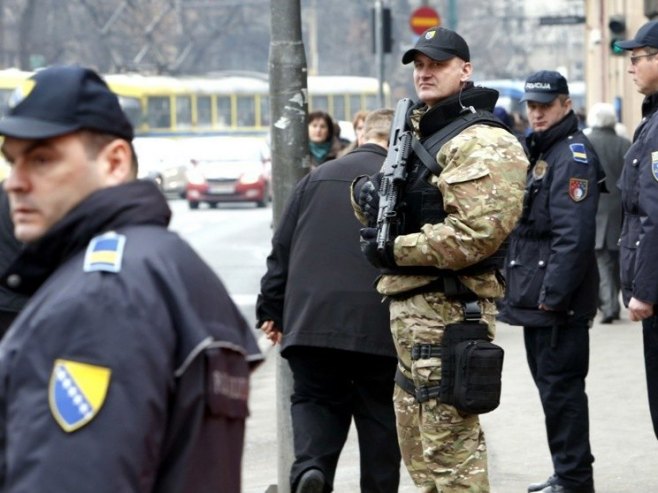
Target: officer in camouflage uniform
x: 455, y: 220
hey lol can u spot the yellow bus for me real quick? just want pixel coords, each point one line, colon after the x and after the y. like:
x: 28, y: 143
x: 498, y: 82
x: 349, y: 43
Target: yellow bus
x: 232, y: 103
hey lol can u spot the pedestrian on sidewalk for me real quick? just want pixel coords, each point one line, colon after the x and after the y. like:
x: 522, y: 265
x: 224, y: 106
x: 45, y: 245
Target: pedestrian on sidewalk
x: 610, y: 148
x: 440, y: 267
x: 318, y: 301
x: 552, y: 278
x: 639, y: 197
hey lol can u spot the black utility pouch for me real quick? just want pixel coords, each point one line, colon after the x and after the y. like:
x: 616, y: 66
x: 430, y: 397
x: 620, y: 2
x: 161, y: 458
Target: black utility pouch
x: 471, y: 369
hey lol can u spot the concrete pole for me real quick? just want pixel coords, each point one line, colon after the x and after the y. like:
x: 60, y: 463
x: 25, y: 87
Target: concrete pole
x: 289, y: 143
x: 379, y: 50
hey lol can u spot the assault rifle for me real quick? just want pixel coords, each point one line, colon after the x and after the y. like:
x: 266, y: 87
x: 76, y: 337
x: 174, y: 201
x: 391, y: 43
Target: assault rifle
x: 394, y: 174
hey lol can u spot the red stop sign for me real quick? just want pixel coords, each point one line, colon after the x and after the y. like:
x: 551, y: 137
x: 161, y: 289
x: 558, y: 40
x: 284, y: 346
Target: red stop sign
x: 423, y: 18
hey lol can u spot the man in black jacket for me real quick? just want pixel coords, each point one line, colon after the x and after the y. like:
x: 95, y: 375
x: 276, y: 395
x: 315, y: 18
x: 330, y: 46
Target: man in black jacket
x: 128, y: 369
x: 318, y: 300
x: 552, y: 278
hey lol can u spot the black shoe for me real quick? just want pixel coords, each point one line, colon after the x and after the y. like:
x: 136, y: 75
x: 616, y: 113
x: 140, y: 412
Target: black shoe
x: 558, y: 488
x: 544, y: 484
x: 312, y: 481
x: 607, y: 320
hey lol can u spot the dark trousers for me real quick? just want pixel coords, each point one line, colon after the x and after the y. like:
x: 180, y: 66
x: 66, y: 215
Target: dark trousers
x: 609, y: 285
x: 650, y: 334
x: 331, y: 387
x: 559, y: 373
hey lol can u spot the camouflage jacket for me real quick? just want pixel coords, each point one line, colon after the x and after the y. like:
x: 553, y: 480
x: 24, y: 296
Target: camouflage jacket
x: 482, y: 185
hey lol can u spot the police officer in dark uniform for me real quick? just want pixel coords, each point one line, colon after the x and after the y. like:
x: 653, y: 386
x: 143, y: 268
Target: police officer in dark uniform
x: 552, y: 278
x: 639, y: 196
x: 10, y: 301
x: 128, y: 368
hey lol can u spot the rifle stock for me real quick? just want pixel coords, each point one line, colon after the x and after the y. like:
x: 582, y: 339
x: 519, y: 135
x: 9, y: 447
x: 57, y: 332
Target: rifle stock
x: 394, y: 174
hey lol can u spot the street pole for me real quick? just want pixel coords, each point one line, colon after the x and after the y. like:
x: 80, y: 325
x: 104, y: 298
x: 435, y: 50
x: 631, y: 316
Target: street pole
x: 379, y: 51
x: 289, y: 144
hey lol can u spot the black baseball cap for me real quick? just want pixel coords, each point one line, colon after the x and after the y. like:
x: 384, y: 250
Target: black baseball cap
x: 439, y: 44
x: 62, y: 99
x: 647, y: 35
x: 544, y: 86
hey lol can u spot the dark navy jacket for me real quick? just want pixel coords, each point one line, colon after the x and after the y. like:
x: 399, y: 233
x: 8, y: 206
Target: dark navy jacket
x: 551, y: 257
x: 639, y: 196
x: 133, y: 381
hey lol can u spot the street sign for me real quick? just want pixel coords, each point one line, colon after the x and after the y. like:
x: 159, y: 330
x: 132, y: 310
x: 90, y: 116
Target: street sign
x: 561, y: 20
x: 423, y: 18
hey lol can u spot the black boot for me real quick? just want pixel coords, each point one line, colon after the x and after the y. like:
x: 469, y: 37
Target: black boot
x: 558, y: 488
x: 312, y: 481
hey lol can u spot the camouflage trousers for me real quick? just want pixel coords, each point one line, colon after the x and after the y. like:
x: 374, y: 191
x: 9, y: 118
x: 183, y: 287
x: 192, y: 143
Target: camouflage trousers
x: 443, y: 450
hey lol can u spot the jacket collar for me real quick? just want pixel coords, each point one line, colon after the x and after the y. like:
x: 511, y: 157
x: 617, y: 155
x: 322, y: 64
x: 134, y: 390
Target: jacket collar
x: 431, y: 120
x: 540, y: 142
x: 137, y: 202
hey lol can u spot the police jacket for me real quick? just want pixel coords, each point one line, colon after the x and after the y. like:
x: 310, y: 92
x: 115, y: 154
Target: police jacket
x: 318, y: 287
x: 551, y: 257
x: 639, y: 196
x: 10, y: 247
x: 480, y: 188
x: 128, y: 368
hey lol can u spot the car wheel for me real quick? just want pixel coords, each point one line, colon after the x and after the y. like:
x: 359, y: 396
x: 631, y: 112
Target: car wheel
x: 193, y: 204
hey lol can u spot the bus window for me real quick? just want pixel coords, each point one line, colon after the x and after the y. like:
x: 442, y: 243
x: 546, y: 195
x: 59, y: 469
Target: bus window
x: 371, y: 102
x: 133, y: 110
x: 355, y: 104
x: 224, y: 112
x: 158, y: 112
x: 203, y: 111
x: 264, y: 111
x: 183, y: 111
x: 320, y: 103
x: 246, y: 111
x: 339, y: 108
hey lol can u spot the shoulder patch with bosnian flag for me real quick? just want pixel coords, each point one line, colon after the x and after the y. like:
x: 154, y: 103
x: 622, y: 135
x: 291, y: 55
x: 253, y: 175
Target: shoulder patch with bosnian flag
x: 77, y: 392
x: 654, y: 164
x: 578, y: 152
x: 105, y: 253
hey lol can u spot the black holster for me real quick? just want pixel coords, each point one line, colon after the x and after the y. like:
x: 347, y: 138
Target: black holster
x: 471, y: 368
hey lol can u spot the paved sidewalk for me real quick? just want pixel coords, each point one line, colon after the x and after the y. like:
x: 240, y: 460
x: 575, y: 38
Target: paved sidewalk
x: 622, y: 439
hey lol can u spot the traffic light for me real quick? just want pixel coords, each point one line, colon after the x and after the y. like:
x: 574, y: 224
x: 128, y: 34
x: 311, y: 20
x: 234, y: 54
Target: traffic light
x: 617, y: 27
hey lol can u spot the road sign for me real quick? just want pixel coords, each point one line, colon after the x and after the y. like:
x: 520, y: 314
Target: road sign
x: 561, y: 20
x: 423, y: 18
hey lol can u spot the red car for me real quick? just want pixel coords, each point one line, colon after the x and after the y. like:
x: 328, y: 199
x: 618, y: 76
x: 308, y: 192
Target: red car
x: 226, y: 170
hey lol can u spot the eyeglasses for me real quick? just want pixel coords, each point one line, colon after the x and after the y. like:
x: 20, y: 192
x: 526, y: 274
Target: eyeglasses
x: 636, y: 58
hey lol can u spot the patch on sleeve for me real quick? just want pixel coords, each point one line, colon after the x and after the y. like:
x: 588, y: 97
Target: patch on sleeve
x: 578, y: 152
x: 77, y: 392
x: 654, y: 164
x: 578, y: 189
x: 105, y: 253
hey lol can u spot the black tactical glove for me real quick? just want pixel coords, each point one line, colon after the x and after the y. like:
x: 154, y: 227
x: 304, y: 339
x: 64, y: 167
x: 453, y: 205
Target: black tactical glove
x: 381, y: 260
x: 366, y: 194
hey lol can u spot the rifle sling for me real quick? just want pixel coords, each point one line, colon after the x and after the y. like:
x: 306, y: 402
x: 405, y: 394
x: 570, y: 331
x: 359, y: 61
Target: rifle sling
x: 426, y: 150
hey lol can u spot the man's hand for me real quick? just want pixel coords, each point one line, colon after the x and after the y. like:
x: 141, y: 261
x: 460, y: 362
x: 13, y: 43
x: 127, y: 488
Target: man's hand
x: 271, y: 332
x: 369, y: 248
x: 639, y: 310
x: 366, y: 192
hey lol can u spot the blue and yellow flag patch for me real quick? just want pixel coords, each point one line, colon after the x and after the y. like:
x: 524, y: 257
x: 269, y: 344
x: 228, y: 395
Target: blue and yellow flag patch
x: 105, y: 253
x: 77, y: 392
x: 578, y: 152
